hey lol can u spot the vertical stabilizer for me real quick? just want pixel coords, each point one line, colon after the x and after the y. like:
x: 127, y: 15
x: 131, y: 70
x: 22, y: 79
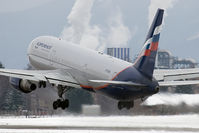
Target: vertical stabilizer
x: 146, y: 60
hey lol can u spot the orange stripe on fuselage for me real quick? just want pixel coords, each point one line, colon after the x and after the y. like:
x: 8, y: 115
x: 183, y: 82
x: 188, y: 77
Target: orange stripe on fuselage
x: 86, y: 86
x: 120, y: 72
x: 147, y: 52
x: 101, y: 87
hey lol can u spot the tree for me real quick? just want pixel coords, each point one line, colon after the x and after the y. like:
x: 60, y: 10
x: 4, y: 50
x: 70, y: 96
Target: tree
x: 10, y: 98
x: 1, y: 65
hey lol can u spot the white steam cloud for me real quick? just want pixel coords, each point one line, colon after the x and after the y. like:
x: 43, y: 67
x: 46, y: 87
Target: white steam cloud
x: 81, y: 31
x: 173, y: 99
x: 119, y: 34
x: 155, y: 4
x: 78, y: 20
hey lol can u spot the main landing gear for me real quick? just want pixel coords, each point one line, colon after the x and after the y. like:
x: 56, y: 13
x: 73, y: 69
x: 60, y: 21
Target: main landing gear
x: 61, y: 102
x: 125, y: 104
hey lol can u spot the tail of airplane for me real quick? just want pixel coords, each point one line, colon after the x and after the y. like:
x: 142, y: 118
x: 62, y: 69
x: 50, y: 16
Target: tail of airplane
x: 146, y: 60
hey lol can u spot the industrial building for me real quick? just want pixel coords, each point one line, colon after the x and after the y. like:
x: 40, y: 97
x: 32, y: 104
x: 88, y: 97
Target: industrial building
x: 165, y: 60
x: 121, y: 53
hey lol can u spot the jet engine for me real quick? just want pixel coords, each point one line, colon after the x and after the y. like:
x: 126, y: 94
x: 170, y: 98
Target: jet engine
x: 23, y: 85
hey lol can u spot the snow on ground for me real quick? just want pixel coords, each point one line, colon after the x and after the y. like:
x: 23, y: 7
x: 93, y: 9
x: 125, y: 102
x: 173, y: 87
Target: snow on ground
x: 81, y: 131
x: 110, y: 124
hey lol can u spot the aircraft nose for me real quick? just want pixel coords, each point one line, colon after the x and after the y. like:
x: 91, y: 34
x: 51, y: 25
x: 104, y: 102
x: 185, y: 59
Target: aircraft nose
x: 30, y: 47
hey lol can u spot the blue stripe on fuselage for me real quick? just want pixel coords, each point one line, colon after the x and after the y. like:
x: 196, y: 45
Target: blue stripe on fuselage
x: 126, y: 92
x: 123, y: 92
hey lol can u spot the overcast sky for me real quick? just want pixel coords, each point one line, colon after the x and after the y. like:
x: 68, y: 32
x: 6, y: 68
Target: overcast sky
x: 99, y: 24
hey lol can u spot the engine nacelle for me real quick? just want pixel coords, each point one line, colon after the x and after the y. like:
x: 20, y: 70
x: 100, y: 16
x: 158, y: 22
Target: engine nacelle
x: 23, y: 85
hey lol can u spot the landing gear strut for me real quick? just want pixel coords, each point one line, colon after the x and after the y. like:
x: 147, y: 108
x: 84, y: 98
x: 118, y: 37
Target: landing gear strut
x: 61, y: 102
x: 125, y: 104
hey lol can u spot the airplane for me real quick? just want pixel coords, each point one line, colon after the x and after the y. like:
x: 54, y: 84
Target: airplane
x: 66, y: 65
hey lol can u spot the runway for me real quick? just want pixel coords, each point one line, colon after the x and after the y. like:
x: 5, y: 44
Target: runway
x: 127, y: 124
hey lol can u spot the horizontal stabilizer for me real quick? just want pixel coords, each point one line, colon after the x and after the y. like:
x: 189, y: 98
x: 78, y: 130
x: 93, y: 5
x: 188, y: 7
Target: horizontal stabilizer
x: 117, y: 82
x: 173, y: 83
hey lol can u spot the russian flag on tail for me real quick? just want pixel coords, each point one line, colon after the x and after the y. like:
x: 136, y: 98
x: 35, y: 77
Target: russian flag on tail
x: 146, y: 60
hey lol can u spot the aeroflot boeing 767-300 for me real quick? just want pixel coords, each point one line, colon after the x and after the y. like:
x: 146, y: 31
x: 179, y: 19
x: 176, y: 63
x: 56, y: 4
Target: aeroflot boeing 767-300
x: 66, y: 65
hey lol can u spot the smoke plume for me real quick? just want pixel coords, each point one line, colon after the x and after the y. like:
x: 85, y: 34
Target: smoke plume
x: 81, y: 31
x: 173, y: 99
x: 119, y: 34
x: 78, y: 19
x: 155, y: 4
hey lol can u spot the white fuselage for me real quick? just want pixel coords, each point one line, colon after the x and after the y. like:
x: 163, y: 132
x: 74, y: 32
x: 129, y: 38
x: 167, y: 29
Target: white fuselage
x: 49, y: 53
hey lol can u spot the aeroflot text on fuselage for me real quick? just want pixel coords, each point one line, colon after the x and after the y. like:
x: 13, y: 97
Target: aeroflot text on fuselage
x: 43, y: 45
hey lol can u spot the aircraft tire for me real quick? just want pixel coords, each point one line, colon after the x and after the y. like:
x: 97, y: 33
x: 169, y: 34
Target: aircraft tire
x: 120, y: 105
x: 57, y: 104
x: 65, y: 104
x: 129, y: 105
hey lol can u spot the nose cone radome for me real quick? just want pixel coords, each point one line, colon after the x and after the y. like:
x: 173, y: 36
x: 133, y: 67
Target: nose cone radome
x: 30, y: 47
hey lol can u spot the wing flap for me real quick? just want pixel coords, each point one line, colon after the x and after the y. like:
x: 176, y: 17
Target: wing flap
x: 61, y: 77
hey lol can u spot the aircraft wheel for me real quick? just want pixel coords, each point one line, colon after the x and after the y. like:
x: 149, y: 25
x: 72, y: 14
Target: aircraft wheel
x: 125, y: 104
x: 129, y: 105
x: 57, y: 104
x: 132, y: 104
x: 65, y: 104
x: 120, y: 105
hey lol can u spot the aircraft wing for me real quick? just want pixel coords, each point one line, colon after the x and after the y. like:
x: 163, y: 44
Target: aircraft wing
x: 175, y: 74
x: 161, y: 83
x: 56, y: 77
x: 117, y: 82
x: 178, y: 83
